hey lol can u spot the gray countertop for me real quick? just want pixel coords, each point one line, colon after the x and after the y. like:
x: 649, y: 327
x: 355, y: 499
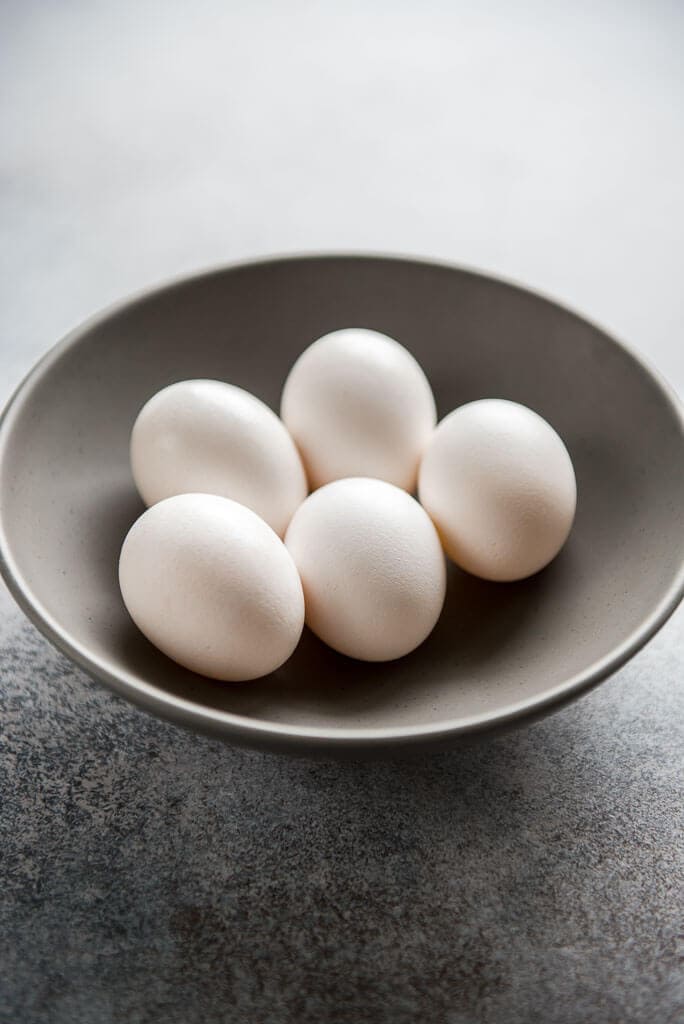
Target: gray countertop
x: 148, y: 874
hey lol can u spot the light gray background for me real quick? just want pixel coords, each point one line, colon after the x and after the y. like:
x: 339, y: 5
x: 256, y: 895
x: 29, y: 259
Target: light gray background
x: 148, y: 874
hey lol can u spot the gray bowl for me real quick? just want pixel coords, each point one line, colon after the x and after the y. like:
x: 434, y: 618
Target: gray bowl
x: 501, y: 653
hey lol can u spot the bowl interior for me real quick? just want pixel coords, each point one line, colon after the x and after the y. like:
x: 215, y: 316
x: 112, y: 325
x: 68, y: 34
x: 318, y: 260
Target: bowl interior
x: 67, y: 495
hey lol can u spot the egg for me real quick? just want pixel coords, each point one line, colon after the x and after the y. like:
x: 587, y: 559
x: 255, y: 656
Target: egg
x: 499, y: 484
x: 358, y: 404
x: 215, y: 438
x: 212, y: 586
x: 372, y: 568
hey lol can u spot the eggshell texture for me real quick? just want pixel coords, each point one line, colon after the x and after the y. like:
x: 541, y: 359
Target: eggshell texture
x: 214, y: 438
x: 499, y: 485
x: 372, y: 568
x: 212, y: 586
x: 358, y: 404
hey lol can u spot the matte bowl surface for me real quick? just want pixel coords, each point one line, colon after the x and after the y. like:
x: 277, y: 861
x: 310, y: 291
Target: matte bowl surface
x: 501, y: 653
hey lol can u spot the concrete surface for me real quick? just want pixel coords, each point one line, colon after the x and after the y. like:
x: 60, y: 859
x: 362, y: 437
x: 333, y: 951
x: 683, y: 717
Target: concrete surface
x: 147, y: 874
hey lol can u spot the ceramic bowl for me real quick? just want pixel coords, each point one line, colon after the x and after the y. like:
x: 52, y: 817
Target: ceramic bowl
x: 501, y: 653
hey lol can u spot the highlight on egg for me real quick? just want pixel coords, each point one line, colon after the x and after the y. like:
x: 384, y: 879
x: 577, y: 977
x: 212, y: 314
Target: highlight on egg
x: 211, y: 585
x: 357, y: 403
x: 372, y: 568
x: 499, y: 484
x: 205, y: 436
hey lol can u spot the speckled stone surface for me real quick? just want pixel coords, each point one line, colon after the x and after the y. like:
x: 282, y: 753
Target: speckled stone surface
x: 150, y: 875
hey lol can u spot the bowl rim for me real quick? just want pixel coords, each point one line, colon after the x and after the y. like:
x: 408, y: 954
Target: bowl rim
x: 262, y: 732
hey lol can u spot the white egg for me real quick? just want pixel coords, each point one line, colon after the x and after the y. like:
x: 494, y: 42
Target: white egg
x: 499, y: 484
x: 212, y: 586
x: 358, y: 404
x: 372, y: 568
x: 204, y: 436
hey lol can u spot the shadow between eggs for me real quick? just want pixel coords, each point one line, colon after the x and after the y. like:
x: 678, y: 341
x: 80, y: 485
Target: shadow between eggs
x: 478, y: 627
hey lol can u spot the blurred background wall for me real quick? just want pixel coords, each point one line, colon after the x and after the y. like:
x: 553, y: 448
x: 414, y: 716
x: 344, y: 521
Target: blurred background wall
x: 538, y: 140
